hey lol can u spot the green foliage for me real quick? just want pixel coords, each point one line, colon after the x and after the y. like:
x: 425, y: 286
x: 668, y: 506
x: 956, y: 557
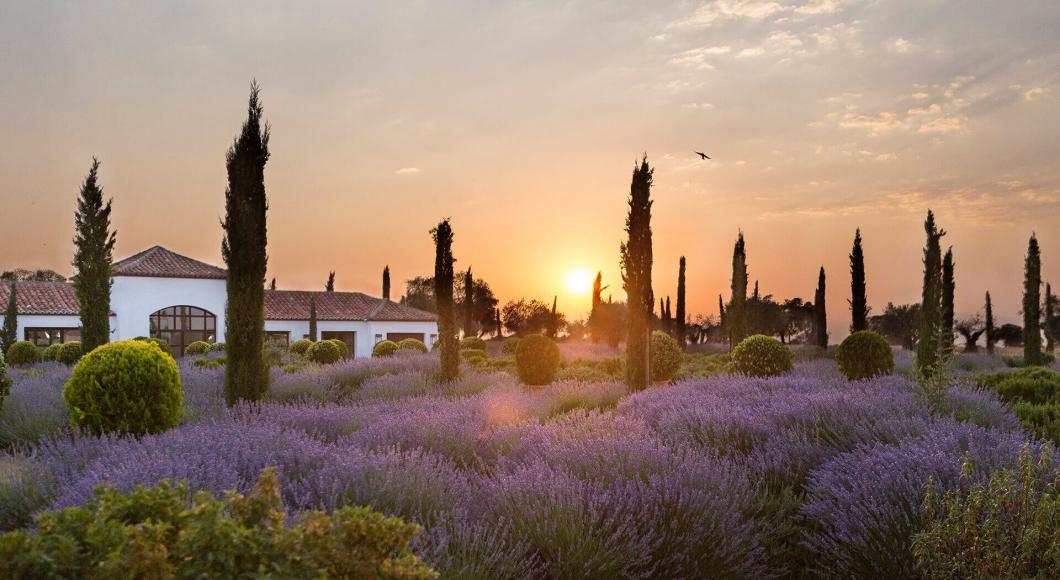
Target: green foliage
x: 472, y: 343
x: 70, y: 353
x: 161, y: 342
x: 537, y: 359
x: 706, y: 364
x: 155, y: 533
x: 5, y: 382
x: 197, y: 347
x: 384, y: 348
x: 51, y: 352
x: 23, y: 352
x: 300, y: 346
x: 127, y: 387
x: 324, y: 352
x: 666, y: 356
x: 412, y: 344
x: 761, y: 356
x: 217, y: 347
x: 859, y: 309
x: 929, y: 336
x: 474, y: 357
x: 820, y: 312
x: 93, y: 254
x: 736, y: 315
x: 9, y: 331
x: 509, y: 345
x: 1006, y: 527
x: 443, y: 295
x: 864, y: 354
x: 636, y: 262
x: 1034, y: 393
x: 1032, y: 281
x: 344, y: 351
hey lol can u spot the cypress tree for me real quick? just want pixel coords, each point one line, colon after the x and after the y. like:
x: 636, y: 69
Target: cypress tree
x: 989, y: 324
x: 721, y: 311
x: 329, y: 286
x: 553, y: 322
x: 9, y: 334
x: 93, y: 255
x: 272, y: 284
x: 469, y: 305
x: 636, y: 254
x: 927, y: 349
x: 668, y: 325
x: 1050, y: 320
x: 859, y: 310
x: 948, y: 288
x: 244, y: 252
x: 595, y: 331
x: 497, y: 322
x: 1032, y: 283
x: 313, y: 320
x: 682, y: 328
x: 662, y: 315
x: 820, y: 314
x: 386, y: 282
x: 443, y: 292
x: 737, y: 315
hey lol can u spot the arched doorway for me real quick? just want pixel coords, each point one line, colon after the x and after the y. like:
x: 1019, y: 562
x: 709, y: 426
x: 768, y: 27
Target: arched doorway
x: 183, y: 325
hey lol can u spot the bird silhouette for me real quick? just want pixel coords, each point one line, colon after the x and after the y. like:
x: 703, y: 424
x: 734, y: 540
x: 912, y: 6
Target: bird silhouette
x: 702, y: 155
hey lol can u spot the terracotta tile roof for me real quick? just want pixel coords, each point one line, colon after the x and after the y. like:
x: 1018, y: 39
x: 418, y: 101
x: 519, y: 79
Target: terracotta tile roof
x: 161, y: 263
x: 294, y: 305
x: 41, y: 298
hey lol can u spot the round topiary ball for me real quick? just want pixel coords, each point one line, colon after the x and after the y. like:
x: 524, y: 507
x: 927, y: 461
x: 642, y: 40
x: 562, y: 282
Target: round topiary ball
x: 864, y: 354
x: 127, y: 387
x: 761, y: 356
x: 323, y: 352
x: 344, y: 351
x: 300, y: 346
x: 412, y: 344
x: 666, y: 356
x: 384, y: 348
x: 537, y: 359
x: 197, y: 347
x: 70, y: 353
x: 23, y: 352
x: 472, y: 343
x: 510, y: 345
x: 51, y: 352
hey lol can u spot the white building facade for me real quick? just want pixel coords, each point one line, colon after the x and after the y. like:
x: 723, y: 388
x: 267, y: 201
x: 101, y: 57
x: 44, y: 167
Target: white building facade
x: 161, y: 294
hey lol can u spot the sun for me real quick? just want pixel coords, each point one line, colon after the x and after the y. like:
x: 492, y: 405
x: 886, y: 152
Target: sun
x: 578, y: 281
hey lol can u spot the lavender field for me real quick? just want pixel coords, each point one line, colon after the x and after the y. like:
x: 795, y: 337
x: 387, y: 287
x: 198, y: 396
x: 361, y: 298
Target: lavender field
x: 723, y: 476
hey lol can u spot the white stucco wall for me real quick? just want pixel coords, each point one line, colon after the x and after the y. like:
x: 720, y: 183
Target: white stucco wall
x: 135, y: 298
x: 37, y: 321
x: 366, y: 331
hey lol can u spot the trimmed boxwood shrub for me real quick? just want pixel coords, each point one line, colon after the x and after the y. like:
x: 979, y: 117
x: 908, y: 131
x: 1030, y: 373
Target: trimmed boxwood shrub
x: 155, y: 533
x: 863, y: 355
x: 51, y: 352
x: 126, y: 387
x: 197, y: 347
x: 300, y: 346
x: 412, y: 344
x: 217, y: 347
x: 510, y: 345
x: 472, y: 343
x: 761, y: 356
x: 23, y: 352
x: 473, y: 356
x: 344, y: 351
x: 323, y: 352
x: 161, y: 342
x: 70, y: 353
x: 384, y: 348
x: 537, y: 359
x: 666, y: 356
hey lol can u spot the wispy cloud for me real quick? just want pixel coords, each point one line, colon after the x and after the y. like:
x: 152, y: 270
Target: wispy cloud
x: 408, y: 171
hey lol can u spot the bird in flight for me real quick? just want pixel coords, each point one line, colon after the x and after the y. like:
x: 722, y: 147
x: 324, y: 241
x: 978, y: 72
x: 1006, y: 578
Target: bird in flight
x: 702, y: 155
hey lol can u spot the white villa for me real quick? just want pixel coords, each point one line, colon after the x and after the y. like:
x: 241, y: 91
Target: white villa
x: 162, y: 294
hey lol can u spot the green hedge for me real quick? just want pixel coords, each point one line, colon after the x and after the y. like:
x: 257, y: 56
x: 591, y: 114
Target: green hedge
x: 412, y: 344
x: 155, y: 533
x: 384, y: 348
x: 863, y: 355
x: 537, y: 359
x: 70, y: 353
x: 1034, y: 393
x: 472, y: 343
x: 761, y: 356
x: 666, y: 356
x: 125, y: 387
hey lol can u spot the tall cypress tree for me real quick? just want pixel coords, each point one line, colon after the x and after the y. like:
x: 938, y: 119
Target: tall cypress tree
x: 859, y: 309
x: 329, y: 286
x: 469, y: 302
x: 272, y: 284
x: 1050, y: 320
x: 927, y: 349
x: 949, y: 286
x: 443, y: 293
x: 93, y: 255
x: 636, y: 254
x: 1032, y: 283
x: 244, y: 252
x: 989, y: 324
x: 9, y: 333
x: 737, y: 315
x: 386, y: 282
x: 820, y: 314
x: 497, y: 322
x: 668, y: 325
x: 313, y: 320
x: 553, y: 321
x: 595, y: 328
x: 682, y: 328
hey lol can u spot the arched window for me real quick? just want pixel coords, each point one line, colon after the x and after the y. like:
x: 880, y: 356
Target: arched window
x: 183, y: 325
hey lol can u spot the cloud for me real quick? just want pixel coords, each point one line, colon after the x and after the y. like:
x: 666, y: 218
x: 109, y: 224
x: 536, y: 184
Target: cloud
x: 815, y: 7
x: 876, y: 124
x: 751, y: 52
x: 408, y: 171
x: 944, y: 124
x: 901, y: 46
x: 1033, y: 93
x: 697, y: 57
x: 697, y: 106
x: 721, y: 11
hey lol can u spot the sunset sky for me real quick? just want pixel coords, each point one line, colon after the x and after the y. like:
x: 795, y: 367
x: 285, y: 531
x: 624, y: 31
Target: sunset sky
x: 522, y: 121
